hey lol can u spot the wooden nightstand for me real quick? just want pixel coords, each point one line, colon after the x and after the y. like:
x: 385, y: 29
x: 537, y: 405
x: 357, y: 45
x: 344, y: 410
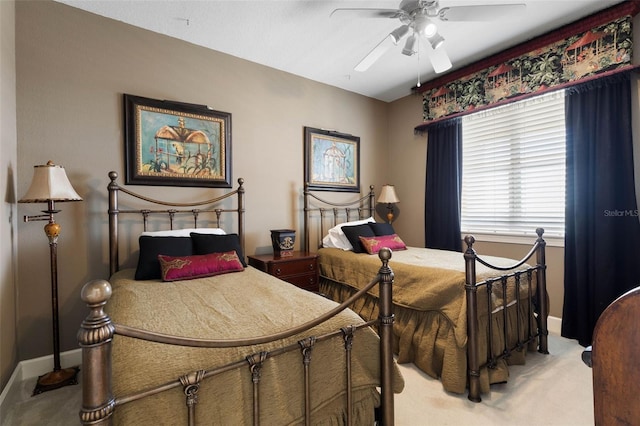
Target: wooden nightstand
x: 299, y: 269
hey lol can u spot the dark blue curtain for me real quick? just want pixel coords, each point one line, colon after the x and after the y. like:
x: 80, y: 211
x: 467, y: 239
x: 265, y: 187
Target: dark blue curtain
x: 601, y: 219
x: 444, y: 185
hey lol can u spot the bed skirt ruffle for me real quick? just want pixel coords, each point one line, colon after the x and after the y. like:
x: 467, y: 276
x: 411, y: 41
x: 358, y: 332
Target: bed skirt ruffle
x: 427, y: 339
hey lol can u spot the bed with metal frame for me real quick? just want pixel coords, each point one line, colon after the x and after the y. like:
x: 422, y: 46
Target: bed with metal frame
x: 460, y: 349
x: 201, y: 390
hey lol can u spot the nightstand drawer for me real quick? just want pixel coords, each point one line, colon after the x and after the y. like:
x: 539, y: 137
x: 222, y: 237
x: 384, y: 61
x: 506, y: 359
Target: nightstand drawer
x: 283, y: 269
x: 307, y: 282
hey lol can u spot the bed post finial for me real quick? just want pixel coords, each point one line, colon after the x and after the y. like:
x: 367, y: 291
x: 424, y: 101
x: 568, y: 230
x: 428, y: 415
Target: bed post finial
x: 469, y: 240
x: 94, y: 337
x: 385, y: 254
x: 96, y: 293
x: 113, y: 176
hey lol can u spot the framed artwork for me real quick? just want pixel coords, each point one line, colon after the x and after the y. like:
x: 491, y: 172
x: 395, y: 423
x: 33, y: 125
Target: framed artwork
x: 176, y: 144
x: 331, y: 160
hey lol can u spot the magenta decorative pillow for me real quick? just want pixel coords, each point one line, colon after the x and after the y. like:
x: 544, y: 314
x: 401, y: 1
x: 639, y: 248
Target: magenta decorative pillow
x: 188, y: 267
x: 373, y: 244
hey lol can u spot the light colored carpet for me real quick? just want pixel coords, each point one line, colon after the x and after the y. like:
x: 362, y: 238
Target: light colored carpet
x: 58, y: 407
x: 553, y: 389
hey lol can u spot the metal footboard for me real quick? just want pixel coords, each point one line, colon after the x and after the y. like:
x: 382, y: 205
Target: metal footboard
x: 503, y: 282
x: 97, y: 330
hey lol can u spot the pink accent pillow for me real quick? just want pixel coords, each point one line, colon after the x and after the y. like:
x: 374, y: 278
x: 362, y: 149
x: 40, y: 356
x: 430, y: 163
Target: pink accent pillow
x: 373, y: 244
x: 188, y: 267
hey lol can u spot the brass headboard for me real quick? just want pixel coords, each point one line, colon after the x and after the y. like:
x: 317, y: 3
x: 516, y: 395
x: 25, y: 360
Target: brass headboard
x: 173, y: 210
x: 322, y: 211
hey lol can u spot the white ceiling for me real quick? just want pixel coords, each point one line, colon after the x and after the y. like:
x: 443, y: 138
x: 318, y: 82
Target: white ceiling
x: 299, y: 37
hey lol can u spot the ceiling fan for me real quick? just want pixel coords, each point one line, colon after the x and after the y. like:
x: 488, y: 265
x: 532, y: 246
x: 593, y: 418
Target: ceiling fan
x: 417, y: 17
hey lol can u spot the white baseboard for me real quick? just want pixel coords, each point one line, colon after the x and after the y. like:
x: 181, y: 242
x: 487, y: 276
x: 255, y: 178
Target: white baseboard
x: 38, y: 366
x: 33, y: 368
x: 554, y: 325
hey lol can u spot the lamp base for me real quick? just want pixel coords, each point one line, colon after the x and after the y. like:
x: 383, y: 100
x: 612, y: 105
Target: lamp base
x: 56, y: 379
x: 390, y: 216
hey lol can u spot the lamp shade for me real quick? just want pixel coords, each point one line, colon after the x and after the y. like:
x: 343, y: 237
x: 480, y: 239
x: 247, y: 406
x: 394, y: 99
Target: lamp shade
x: 436, y: 41
x: 388, y: 195
x: 399, y: 33
x: 49, y: 183
x: 409, y: 46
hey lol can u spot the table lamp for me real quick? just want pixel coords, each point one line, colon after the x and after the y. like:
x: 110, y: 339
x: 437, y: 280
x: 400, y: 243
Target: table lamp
x: 388, y: 196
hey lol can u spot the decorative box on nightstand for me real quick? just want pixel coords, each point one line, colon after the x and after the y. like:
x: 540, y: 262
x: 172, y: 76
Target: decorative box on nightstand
x: 298, y: 268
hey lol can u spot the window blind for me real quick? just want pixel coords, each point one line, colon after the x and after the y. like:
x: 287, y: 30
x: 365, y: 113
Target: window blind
x: 513, y: 168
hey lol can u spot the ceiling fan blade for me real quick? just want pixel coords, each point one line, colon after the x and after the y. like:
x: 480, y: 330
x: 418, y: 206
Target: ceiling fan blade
x: 366, y: 13
x: 439, y: 59
x: 394, y: 37
x: 375, y: 54
x: 488, y: 12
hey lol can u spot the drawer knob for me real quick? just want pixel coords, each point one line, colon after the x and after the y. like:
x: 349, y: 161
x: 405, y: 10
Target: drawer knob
x: 278, y: 271
x: 311, y: 266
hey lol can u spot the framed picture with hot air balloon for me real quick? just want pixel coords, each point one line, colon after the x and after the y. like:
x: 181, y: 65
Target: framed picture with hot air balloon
x: 331, y: 160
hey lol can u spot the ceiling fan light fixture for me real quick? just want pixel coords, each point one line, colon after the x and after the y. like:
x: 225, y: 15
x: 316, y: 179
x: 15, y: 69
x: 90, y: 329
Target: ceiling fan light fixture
x: 436, y: 41
x: 424, y: 26
x: 399, y: 33
x: 430, y: 29
x: 409, y: 46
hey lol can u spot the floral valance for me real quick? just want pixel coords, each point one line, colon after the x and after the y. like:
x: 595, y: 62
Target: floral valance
x: 601, y: 49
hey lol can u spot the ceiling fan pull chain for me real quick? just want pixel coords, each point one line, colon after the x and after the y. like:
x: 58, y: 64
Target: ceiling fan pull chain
x: 418, y: 62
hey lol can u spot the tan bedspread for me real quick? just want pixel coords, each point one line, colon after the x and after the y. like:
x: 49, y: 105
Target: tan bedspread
x: 236, y: 305
x: 430, y: 307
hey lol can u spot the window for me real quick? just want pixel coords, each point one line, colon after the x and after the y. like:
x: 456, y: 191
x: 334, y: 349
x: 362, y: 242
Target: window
x: 513, y: 168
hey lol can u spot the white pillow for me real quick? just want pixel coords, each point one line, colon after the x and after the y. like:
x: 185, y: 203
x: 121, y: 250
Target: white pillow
x: 329, y: 242
x: 336, y: 238
x: 183, y: 232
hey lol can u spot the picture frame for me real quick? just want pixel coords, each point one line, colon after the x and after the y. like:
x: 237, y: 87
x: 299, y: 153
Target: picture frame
x: 331, y: 160
x: 169, y: 143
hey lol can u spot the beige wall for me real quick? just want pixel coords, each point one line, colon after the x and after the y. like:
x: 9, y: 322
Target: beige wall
x: 73, y: 68
x: 407, y: 167
x: 8, y: 222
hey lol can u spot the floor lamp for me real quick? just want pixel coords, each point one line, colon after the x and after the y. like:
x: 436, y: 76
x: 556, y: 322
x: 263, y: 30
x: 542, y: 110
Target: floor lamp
x: 388, y: 196
x: 50, y: 184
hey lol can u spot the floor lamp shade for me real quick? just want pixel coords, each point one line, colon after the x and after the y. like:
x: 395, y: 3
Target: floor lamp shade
x: 50, y: 184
